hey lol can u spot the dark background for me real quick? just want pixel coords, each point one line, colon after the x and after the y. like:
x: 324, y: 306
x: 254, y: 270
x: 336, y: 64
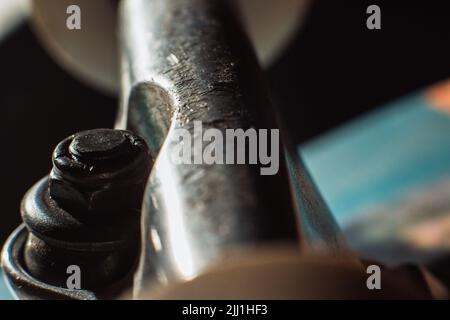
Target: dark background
x: 335, y: 70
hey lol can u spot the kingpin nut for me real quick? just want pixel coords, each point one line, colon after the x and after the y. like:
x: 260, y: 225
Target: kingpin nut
x: 87, y: 212
x: 98, y: 172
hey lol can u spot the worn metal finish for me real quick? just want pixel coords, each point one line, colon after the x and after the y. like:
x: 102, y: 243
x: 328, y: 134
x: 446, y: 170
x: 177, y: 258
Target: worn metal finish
x: 186, y: 61
x: 182, y: 61
x: 85, y: 213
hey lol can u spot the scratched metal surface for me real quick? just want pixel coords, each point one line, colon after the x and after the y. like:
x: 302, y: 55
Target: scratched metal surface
x: 193, y: 63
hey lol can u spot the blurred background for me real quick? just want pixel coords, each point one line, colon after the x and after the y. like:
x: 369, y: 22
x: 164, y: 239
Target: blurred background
x: 369, y: 110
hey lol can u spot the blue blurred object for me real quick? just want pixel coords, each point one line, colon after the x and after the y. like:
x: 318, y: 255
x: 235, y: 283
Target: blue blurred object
x: 4, y: 292
x: 380, y: 157
x: 386, y: 179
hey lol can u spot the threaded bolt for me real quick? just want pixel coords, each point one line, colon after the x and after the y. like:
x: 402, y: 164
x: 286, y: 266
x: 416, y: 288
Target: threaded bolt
x: 87, y: 211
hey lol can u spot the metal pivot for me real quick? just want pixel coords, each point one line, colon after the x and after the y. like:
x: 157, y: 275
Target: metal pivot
x: 185, y: 62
